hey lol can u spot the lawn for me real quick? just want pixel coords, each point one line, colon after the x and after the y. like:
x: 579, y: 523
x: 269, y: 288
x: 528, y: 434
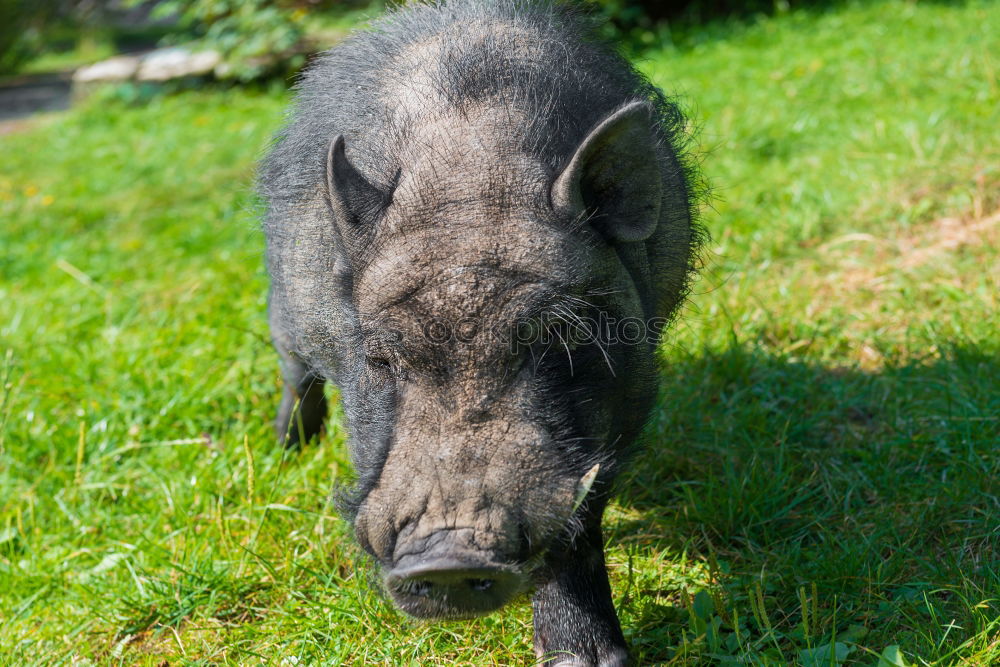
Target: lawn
x: 819, y: 486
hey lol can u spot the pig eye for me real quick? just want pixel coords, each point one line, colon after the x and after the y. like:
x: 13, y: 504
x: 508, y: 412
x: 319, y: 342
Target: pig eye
x: 379, y: 370
x: 379, y: 364
x: 379, y: 359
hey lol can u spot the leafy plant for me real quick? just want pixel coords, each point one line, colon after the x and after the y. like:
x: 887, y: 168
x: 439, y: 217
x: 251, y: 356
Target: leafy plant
x: 254, y: 37
x: 19, y: 30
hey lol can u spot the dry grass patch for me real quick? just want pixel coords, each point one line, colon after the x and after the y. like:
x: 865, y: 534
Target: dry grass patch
x: 876, y: 289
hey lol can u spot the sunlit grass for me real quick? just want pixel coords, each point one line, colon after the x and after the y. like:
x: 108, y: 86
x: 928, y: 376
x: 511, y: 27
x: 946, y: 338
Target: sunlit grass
x: 820, y: 478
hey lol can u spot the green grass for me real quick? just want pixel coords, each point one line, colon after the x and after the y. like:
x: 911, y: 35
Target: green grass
x: 818, y: 486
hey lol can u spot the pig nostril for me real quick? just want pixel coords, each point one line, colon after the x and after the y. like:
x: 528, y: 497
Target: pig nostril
x: 480, y: 585
x: 421, y: 588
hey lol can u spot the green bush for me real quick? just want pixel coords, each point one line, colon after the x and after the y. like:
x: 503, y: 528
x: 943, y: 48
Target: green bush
x: 254, y: 37
x: 20, y: 24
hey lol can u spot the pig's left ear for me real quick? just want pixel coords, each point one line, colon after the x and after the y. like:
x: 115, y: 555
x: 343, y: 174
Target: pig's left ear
x: 351, y: 197
x: 615, y: 172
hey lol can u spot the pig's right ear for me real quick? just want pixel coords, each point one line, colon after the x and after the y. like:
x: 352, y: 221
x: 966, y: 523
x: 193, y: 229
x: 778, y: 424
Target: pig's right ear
x: 352, y: 199
x: 615, y: 173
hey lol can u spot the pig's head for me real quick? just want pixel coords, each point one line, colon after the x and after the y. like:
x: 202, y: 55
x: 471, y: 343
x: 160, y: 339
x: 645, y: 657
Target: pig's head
x: 484, y: 386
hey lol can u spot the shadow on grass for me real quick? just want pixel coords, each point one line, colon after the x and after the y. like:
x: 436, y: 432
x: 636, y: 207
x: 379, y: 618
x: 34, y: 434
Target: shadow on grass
x: 879, y: 489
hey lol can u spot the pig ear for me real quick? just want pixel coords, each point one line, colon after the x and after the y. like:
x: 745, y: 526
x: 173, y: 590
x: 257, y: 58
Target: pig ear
x: 615, y: 172
x: 351, y: 197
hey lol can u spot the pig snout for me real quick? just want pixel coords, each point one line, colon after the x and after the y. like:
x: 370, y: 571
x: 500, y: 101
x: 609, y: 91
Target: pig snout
x: 452, y: 572
x: 451, y: 579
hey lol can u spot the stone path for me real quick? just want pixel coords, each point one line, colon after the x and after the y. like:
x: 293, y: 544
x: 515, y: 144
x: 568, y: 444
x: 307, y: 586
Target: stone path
x: 25, y: 95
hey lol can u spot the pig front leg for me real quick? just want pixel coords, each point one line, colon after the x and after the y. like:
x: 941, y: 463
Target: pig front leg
x: 306, y: 390
x: 303, y: 399
x: 575, y: 620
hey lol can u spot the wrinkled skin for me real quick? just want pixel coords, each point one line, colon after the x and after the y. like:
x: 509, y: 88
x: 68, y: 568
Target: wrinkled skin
x: 454, y: 195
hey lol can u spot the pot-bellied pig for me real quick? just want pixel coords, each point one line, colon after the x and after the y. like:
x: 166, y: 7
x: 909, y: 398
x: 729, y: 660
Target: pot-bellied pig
x: 479, y: 220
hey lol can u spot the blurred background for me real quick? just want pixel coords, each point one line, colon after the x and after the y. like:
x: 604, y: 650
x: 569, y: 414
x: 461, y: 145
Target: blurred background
x: 252, y: 39
x: 817, y: 487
